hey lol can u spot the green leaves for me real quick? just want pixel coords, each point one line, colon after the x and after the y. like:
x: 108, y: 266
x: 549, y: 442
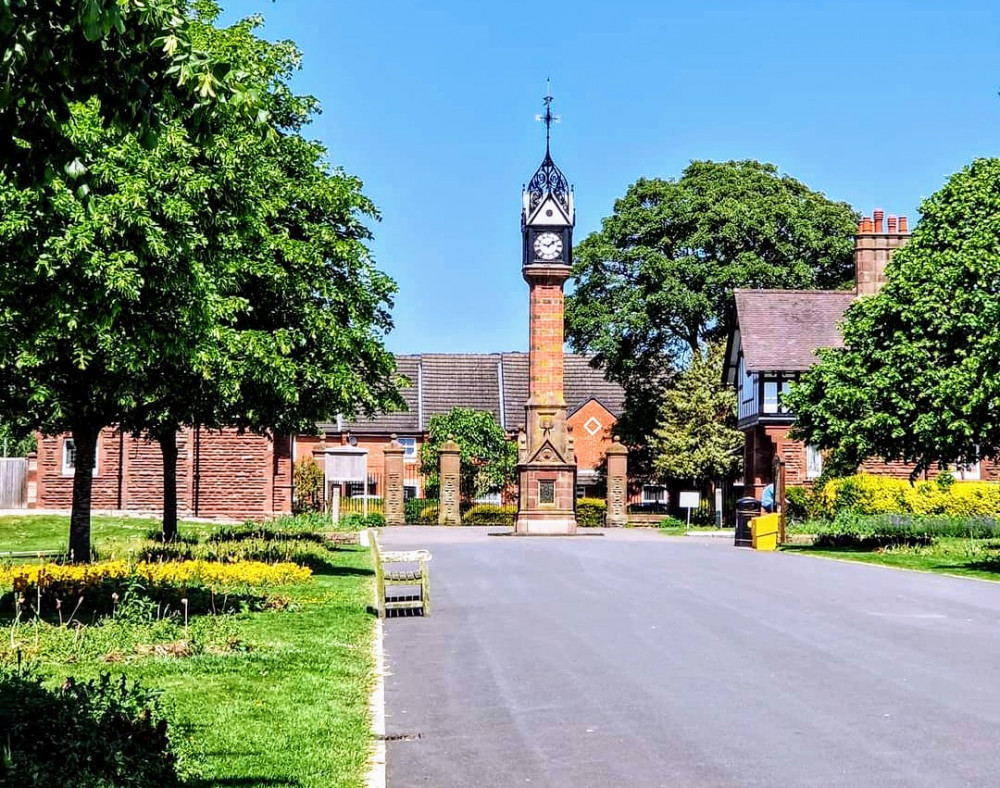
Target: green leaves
x: 696, y: 437
x: 919, y: 379
x: 488, y: 459
x: 655, y: 284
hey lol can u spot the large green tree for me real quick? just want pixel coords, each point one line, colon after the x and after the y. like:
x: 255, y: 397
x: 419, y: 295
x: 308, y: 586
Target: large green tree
x: 97, y: 285
x: 488, y: 457
x: 656, y: 282
x: 217, y: 276
x: 919, y: 377
x: 696, y: 439
x: 301, y: 337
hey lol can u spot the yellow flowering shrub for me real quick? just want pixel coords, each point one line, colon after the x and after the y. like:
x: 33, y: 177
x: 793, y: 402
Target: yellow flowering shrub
x: 78, y: 578
x: 865, y: 493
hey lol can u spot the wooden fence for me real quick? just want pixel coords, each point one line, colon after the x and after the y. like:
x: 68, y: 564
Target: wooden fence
x: 13, y: 483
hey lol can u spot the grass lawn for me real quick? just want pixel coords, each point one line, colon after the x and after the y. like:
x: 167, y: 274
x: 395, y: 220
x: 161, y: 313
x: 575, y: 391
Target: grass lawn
x: 946, y: 555
x: 284, y: 704
x: 22, y: 533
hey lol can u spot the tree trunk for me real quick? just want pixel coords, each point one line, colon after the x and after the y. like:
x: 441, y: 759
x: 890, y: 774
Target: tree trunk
x: 168, y: 448
x: 85, y: 441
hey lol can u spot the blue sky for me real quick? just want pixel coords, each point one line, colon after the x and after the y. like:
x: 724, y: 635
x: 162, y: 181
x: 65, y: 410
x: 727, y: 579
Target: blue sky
x: 432, y: 104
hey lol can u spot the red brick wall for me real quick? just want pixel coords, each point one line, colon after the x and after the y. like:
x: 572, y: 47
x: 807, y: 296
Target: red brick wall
x: 589, y: 448
x: 241, y: 475
x: 762, y: 443
x: 545, y: 353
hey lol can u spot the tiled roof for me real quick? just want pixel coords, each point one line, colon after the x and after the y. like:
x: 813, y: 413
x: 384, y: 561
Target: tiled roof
x: 483, y: 381
x: 782, y: 329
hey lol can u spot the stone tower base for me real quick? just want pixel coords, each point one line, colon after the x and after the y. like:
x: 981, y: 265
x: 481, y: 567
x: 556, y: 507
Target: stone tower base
x: 546, y: 499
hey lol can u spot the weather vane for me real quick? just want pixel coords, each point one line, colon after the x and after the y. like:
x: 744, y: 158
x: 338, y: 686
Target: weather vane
x: 548, y: 118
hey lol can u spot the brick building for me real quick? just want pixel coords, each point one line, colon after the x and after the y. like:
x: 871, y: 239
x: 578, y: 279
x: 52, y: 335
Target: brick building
x: 228, y: 475
x: 493, y: 382
x: 219, y: 474
x: 776, y: 338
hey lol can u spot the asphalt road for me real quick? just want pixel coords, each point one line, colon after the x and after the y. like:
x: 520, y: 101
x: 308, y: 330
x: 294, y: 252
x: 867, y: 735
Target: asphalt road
x: 642, y: 660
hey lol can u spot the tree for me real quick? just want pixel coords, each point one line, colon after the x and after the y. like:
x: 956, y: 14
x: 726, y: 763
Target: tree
x: 488, y: 457
x: 135, y: 58
x: 656, y: 282
x: 696, y: 439
x: 301, y: 334
x: 219, y: 276
x: 98, y: 282
x: 919, y: 377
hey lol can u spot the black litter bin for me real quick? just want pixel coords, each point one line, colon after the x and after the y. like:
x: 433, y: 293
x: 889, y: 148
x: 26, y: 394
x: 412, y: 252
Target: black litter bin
x: 746, y: 510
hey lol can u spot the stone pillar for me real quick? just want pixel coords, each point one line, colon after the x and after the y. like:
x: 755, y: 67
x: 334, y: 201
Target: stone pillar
x: 392, y: 496
x: 617, y: 456
x: 450, y: 493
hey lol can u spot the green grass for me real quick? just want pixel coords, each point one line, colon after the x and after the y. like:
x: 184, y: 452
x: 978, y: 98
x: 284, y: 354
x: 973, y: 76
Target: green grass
x: 945, y: 555
x: 286, y: 704
x: 30, y: 532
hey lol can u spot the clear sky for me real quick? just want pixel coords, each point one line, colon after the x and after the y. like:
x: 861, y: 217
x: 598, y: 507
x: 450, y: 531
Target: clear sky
x: 432, y: 104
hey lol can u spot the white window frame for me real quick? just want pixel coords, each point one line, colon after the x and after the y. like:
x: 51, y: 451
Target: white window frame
x: 660, y: 496
x: 410, y: 446
x: 68, y: 468
x: 969, y: 473
x: 814, y: 462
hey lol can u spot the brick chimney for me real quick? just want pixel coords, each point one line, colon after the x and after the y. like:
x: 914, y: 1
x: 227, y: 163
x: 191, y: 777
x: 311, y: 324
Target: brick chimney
x: 873, y: 247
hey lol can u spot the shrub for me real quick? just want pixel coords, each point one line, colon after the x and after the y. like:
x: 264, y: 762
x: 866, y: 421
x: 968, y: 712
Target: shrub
x: 355, y: 521
x: 412, y: 508
x: 90, y: 734
x: 312, y: 550
x: 867, y: 494
x: 307, y: 477
x: 797, y: 503
x: 703, y: 516
x: 489, y: 514
x: 100, y: 583
x: 591, y: 512
x: 672, y: 523
x: 871, y: 531
x: 428, y: 514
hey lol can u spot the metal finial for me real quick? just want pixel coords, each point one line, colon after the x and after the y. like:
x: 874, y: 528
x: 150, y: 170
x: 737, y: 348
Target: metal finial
x: 548, y: 118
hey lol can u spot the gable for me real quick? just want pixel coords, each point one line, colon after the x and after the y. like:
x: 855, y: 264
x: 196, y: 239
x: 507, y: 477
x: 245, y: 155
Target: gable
x: 781, y: 330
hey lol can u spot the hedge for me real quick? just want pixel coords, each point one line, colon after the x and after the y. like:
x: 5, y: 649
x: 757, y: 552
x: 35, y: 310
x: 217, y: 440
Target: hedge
x: 867, y: 494
x: 591, y: 512
x: 489, y: 514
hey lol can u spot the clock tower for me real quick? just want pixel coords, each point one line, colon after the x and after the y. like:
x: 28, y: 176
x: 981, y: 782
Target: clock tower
x: 546, y: 460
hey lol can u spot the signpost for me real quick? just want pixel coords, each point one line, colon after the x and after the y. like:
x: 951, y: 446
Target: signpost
x: 689, y: 501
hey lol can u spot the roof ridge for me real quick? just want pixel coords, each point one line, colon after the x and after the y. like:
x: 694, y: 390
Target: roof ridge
x: 814, y: 291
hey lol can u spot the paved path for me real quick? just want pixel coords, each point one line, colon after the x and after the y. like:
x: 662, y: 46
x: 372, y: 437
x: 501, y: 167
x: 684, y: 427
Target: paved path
x: 642, y: 660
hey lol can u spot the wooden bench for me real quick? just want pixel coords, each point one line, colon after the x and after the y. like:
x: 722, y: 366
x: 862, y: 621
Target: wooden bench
x: 401, y: 568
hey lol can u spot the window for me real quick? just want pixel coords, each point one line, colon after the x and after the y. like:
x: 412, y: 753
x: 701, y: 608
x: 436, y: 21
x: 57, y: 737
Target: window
x: 770, y: 396
x: 69, y: 457
x: 969, y: 473
x: 409, y: 491
x: 410, y: 446
x: 776, y: 386
x: 814, y: 462
x: 654, y: 493
x: 581, y: 491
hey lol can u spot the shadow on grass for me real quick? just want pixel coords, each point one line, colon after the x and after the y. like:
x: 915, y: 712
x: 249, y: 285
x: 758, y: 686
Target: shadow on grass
x: 333, y: 570
x: 241, y: 782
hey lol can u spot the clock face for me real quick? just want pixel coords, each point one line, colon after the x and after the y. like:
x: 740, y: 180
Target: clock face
x: 548, y: 246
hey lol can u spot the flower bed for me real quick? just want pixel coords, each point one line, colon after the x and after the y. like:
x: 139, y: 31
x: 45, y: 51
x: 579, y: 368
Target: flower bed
x: 70, y: 580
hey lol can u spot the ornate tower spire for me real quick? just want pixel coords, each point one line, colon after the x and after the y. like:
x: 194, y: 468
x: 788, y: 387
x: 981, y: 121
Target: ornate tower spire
x: 546, y: 461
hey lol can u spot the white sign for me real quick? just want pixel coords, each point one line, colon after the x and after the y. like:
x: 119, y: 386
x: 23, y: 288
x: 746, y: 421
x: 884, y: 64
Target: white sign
x: 690, y: 500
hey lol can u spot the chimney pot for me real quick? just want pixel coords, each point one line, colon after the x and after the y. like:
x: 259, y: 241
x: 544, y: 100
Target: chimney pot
x: 878, y: 220
x: 903, y: 225
x: 866, y: 225
x: 892, y: 224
